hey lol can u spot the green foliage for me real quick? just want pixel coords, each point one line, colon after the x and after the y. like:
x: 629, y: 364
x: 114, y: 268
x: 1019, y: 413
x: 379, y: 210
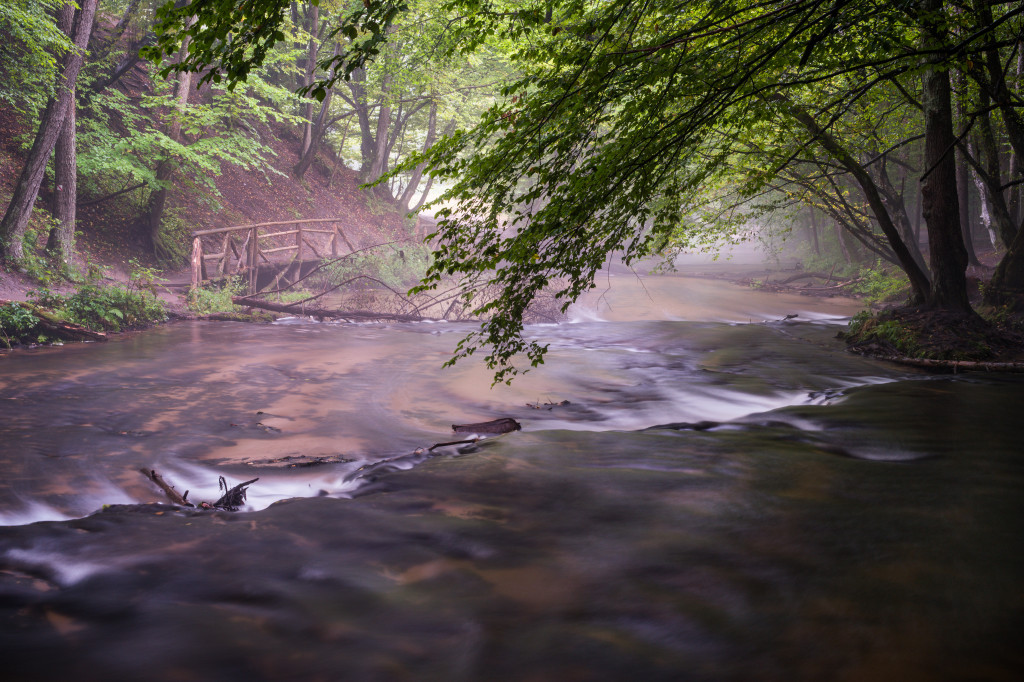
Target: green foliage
x: 172, y: 243
x: 107, y: 308
x: 215, y: 298
x: 868, y: 328
x: 237, y: 37
x: 124, y: 140
x: 881, y: 284
x: 17, y: 325
x: 37, y: 264
x: 29, y: 51
x: 394, y: 266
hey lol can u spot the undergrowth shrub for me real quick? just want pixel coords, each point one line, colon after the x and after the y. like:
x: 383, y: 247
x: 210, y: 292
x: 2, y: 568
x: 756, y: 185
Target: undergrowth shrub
x: 107, y: 308
x: 18, y: 325
x: 882, y: 283
x: 215, y: 297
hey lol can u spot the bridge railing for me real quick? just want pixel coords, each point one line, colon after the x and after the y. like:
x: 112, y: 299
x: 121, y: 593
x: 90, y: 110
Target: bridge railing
x: 243, y: 247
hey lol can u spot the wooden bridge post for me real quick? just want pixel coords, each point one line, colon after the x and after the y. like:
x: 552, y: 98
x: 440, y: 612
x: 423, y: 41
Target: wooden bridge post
x: 197, y: 262
x: 254, y: 250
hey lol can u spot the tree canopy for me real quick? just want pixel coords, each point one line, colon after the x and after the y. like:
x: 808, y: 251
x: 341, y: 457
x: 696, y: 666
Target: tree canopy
x: 625, y: 113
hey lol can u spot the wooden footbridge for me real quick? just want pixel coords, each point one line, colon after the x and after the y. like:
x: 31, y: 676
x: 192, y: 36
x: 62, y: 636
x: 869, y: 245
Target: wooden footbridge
x: 241, y: 250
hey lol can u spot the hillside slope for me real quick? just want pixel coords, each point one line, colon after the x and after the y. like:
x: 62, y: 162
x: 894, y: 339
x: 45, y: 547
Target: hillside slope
x: 110, y: 232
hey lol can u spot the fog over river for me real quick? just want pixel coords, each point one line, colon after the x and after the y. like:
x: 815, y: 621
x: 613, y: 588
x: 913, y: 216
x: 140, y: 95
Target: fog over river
x: 832, y: 517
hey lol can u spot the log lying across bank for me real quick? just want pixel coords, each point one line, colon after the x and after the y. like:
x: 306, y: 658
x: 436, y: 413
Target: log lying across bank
x: 55, y: 328
x: 323, y: 313
x: 954, y: 365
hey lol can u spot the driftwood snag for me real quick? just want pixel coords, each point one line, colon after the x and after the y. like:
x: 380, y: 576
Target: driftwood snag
x: 235, y: 497
x: 173, y: 495
x: 231, y: 500
x: 503, y: 425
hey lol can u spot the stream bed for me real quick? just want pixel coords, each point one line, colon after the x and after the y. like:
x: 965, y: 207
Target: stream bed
x: 701, y: 490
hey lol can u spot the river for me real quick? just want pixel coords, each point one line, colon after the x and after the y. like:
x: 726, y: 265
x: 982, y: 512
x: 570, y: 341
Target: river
x: 726, y: 495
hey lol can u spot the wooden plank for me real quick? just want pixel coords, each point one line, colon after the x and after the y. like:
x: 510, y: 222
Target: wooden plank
x: 280, y: 248
x: 223, y: 265
x: 241, y: 264
x: 211, y: 256
x: 218, y: 230
x: 313, y: 248
x: 347, y: 242
x: 320, y: 231
x: 279, y: 234
x: 197, y: 262
x: 254, y: 249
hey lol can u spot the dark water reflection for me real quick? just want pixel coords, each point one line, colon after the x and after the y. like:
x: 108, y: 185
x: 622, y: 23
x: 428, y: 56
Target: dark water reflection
x: 845, y: 519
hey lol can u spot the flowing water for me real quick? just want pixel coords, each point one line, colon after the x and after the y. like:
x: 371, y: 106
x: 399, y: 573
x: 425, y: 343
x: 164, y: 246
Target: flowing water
x: 725, y: 496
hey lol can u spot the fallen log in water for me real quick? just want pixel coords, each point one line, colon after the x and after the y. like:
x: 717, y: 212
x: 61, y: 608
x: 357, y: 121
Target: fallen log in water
x: 231, y: 500
x: 235, y: 497
x: 173, y: 495
x: 323, y: 313
x: 955, y: 365
x: 503, y: 425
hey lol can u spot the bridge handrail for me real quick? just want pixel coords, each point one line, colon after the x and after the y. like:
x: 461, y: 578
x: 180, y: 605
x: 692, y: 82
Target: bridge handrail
x: 251, y: 251
x: 220, y: 230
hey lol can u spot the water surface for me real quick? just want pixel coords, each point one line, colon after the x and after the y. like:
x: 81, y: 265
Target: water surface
x: 829, y: 517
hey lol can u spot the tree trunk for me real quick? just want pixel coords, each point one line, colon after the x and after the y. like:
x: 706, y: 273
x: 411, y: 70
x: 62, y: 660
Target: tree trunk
x: 840, y: 234
x: 339, y: 158
x: 1017, y: 158
x: 963, y: 184
x: 948, y: 256
x: 897, y: 209
x: 357, y: 86
x: 1007, y: 281
x: 812, y: 226
x: 61, y: 240
x: 317, y: 132
x: 166, y: 168
x: 991, y: 175
x: 918, y: 278
x: 963, y: 189
x: 316, y: 136
x: 380, y: 151
x: 19, y: 211
x: 417, y: 173
x: 307, y: 114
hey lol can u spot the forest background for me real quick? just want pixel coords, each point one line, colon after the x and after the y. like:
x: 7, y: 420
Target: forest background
x: 885, y: 139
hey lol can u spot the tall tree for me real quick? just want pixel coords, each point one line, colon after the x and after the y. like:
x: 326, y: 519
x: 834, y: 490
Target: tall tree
x: 948, y: 255
x: 19, y: 211
x: 61, y: 240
